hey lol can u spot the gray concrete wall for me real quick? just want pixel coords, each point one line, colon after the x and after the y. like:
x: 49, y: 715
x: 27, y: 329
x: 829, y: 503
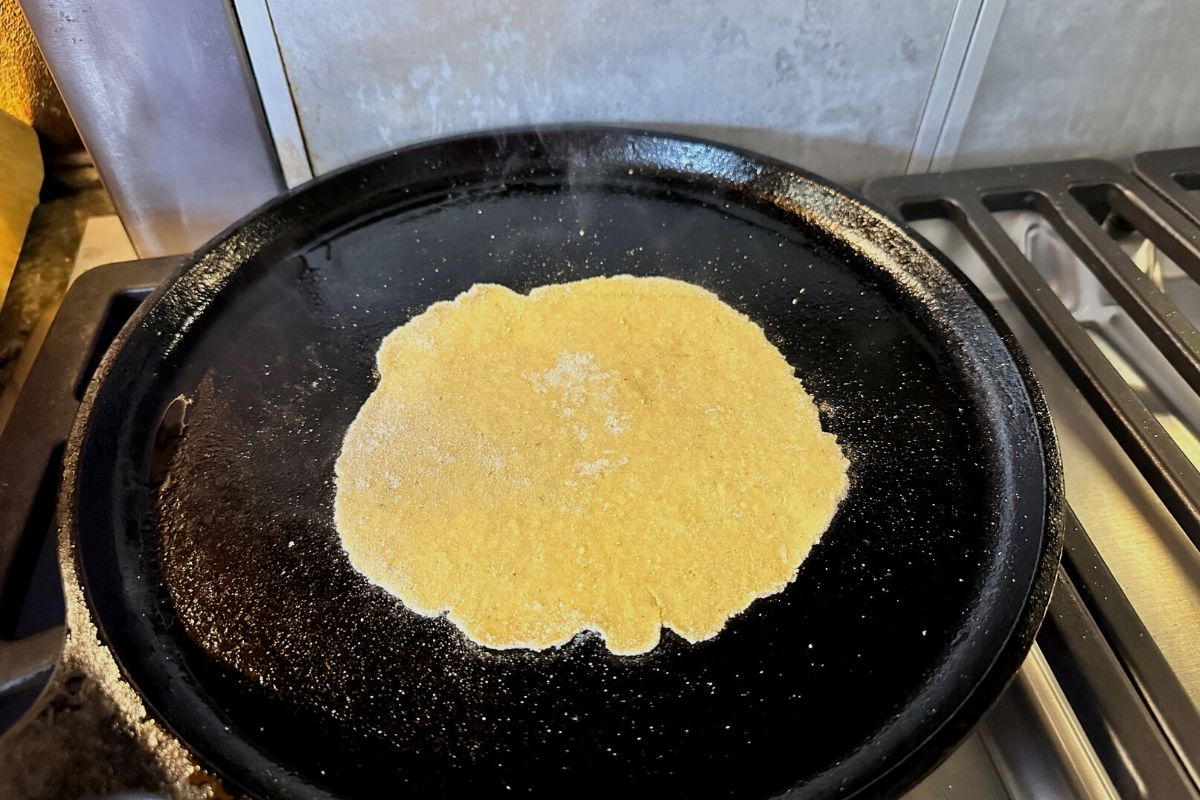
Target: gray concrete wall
x: 1069, y: 78
x: 836, y: 86
x: 851, y: 89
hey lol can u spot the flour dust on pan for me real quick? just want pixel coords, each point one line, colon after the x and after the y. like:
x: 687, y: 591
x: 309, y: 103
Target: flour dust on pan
x: 615, y: 454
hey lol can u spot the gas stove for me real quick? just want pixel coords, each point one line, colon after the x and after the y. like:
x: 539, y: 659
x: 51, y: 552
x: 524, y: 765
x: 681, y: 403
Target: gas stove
x: 1097, y: 271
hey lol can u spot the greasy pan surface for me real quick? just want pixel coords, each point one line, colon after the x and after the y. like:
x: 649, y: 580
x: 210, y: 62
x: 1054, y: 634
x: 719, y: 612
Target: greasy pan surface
x: 211, y: 561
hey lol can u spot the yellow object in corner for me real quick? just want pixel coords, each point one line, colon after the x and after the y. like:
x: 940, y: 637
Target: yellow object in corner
x: 20, y: 182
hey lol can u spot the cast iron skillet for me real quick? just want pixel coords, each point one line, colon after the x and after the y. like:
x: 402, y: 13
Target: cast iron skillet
x: 210, y: 559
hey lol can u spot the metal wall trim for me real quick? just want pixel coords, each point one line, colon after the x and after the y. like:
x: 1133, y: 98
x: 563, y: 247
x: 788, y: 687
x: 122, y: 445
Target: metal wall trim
x: 945, y: 79
x: 266, y: 59
x: 960, y: 69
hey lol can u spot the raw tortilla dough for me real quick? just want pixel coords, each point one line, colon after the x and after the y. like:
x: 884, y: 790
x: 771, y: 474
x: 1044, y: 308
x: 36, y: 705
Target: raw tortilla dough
x: 615, y: 454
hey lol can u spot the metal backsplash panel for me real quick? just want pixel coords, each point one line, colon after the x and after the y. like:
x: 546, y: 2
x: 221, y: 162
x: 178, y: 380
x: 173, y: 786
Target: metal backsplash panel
x: 162, y: 96
x: 836, y: 87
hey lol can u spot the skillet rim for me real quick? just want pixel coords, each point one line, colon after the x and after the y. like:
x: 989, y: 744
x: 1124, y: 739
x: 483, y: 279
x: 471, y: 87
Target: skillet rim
x: 223, y: 255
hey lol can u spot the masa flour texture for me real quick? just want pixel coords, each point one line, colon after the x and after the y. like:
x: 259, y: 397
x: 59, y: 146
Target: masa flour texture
x: 615, y: 454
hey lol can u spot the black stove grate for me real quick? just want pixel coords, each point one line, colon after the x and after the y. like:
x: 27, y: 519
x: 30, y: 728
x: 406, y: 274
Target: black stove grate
x: 1071, y: 195
x: 1136, y: 712
x: 31, y: 450
x: 1175, y: 174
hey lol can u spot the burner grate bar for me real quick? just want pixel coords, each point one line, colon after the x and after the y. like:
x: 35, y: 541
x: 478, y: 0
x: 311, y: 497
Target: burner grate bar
x: 1174, y: 174
x: 962, y: 198
x: 1119, y: 623
x: 29, y: 661
x: 1146, y: 304
x: 1136, y: 755
x: 31, y: 444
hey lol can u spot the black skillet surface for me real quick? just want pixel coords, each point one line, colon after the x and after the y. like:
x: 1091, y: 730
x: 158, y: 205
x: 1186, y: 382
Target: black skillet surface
x: 211, y: 561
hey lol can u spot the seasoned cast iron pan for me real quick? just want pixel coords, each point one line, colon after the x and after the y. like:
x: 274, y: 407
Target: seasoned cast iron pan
x: 209, y: 555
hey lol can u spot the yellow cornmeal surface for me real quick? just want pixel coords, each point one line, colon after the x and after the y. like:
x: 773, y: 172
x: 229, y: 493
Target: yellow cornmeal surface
x: 615, y: 454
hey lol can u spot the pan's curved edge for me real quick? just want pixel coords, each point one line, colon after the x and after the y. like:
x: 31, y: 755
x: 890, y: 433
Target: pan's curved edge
x: 928, y: 756
x: 905, y: 774
x: 86, y: 649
